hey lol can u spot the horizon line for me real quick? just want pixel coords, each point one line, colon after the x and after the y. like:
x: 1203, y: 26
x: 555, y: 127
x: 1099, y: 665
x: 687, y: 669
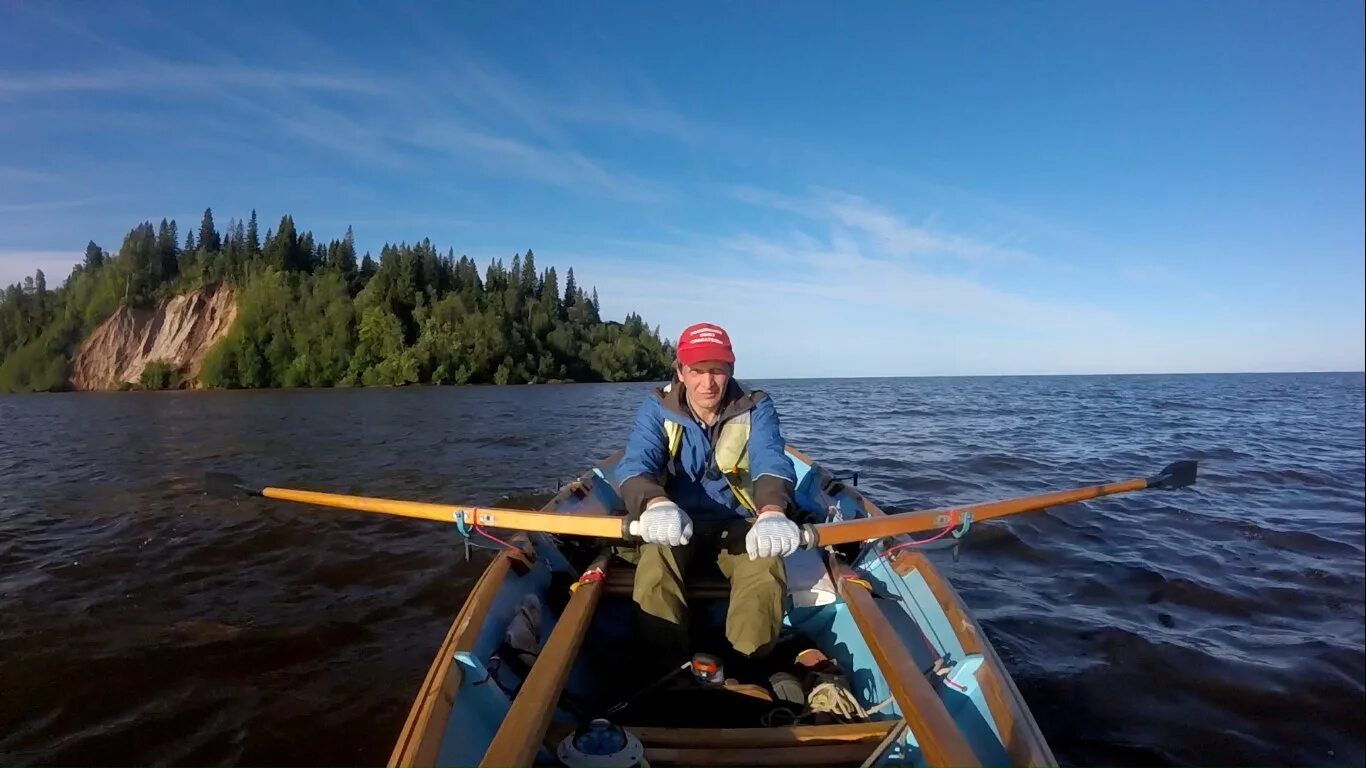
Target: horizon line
x: 1033, y: 375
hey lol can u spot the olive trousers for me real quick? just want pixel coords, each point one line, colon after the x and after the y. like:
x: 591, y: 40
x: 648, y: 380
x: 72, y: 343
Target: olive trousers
x: 758, y: 588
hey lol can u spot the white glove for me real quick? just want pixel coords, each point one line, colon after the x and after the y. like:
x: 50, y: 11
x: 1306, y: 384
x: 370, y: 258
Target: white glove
x: 772, y: 535
x: 664, y: 522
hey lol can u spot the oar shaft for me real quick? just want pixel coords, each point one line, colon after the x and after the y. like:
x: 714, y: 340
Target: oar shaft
x: 492, y: 517
x: 1177, y: 475
x: 863, y: 529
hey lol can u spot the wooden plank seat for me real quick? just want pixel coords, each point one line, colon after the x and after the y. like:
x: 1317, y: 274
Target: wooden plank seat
x: 837, y: 744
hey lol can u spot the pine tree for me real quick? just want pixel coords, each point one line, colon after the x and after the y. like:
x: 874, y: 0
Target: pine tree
x: 529, y: 281
x: 550, y: 289
x: 164, y: 267
x: 94, y: 256
x: 253, y: 242
x: 208, y: 236
x: 282, y: 250
x: 346, y: 254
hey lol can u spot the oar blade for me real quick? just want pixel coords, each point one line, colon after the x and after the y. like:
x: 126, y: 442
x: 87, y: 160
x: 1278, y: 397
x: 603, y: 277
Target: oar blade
x: 227, y: 486
x: 1177, y: 475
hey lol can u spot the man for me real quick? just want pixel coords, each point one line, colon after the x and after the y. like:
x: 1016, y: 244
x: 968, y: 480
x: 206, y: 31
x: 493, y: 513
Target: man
x: 706, y: 457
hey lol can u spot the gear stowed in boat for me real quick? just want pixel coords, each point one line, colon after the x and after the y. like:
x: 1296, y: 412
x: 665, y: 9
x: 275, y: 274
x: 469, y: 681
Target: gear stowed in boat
x: 897, y: 672
x: 891, y: 667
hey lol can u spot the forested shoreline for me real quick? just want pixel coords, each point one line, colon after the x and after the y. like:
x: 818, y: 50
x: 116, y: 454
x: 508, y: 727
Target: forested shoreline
x: 314, y: 314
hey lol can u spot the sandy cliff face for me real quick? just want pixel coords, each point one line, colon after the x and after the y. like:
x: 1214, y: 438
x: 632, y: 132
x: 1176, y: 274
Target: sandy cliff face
x: 179, y: 332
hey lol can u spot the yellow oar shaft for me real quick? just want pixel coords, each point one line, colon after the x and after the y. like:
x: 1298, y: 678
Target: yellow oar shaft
x: 866, y: 528
x: 491, y: 517
x: 1177, y: 475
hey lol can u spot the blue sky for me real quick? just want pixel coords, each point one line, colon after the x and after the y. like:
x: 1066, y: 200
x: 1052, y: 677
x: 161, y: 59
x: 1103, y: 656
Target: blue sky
x: 851, y: 188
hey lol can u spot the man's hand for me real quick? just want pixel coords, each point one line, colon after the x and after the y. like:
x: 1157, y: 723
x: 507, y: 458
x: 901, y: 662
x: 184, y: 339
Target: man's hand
x: 772, y: 535
x: 664, y: 522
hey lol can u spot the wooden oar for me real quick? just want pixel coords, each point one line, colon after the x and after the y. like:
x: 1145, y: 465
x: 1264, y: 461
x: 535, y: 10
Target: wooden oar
x: 230, y: 486
x: 523, y: 728
x: 940, y: 739
x: 1177, y: 475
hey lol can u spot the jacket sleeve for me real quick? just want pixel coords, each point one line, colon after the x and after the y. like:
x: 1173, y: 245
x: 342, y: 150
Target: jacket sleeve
x: 641, y: 469
x: 769, y: 465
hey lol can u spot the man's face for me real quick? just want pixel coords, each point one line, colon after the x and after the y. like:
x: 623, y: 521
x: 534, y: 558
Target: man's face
x: 705, y: 382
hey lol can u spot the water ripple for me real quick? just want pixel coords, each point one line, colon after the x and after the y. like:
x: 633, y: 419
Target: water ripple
x: 144, y: 623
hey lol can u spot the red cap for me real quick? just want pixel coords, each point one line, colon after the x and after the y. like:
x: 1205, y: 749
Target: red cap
x: 704, y: 341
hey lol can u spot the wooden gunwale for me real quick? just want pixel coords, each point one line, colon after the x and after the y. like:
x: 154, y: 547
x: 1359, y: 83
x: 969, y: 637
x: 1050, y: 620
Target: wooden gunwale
x: 419, y: 742
x: 523, y: 728
x: 1020, y: 733
x: 1024, y: 742
x: 940, y: 740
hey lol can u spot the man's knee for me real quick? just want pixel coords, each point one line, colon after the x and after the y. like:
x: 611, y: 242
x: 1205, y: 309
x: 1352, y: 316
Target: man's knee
x: 658, y: 588
x: 758, y: 593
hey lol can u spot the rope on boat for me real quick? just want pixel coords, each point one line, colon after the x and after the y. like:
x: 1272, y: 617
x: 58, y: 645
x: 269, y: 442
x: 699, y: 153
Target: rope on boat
x: 589, y: 576
x: 862, y: 582
x: 957, y: 520
x: 942, y: 666
x: 480, y: 530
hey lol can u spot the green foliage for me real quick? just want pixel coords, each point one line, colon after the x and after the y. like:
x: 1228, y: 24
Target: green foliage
x: 159, y: 374
x: 39, y: 366
x: 314, y: 315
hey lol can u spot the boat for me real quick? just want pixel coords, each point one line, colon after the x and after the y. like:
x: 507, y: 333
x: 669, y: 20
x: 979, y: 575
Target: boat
x: 533, y: 669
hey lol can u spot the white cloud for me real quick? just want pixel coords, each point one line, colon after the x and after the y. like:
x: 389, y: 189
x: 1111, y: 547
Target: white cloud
x: 562, y: 168
x: 898, y: 238
x: 892, y: 235
x: 851, y: 301
x: 464, y: 110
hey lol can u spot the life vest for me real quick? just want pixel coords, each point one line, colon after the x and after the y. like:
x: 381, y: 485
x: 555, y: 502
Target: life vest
x: 731, y: 453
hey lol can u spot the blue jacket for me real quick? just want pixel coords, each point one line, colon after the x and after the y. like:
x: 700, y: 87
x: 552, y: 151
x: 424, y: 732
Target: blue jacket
x: 692, y: 479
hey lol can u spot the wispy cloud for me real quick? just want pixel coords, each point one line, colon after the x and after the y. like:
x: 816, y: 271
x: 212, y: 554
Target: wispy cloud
x: 578, y: 93
x: 898, y: 238
x: 891, y: 235
x: 54, y: 205
x: 26, y: 176
x: 563, y: 168
x: 841, y: 247
x: 1008, y: 213
x: 465, y: 112
x: 845, y: 276
x: 165, y: 75
x: 851, y: 315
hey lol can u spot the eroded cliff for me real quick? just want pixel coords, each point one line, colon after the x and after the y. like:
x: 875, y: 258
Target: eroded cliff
x: 178, y: 332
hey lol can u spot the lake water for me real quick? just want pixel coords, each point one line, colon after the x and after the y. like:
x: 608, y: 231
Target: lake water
x: 141, y: 622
